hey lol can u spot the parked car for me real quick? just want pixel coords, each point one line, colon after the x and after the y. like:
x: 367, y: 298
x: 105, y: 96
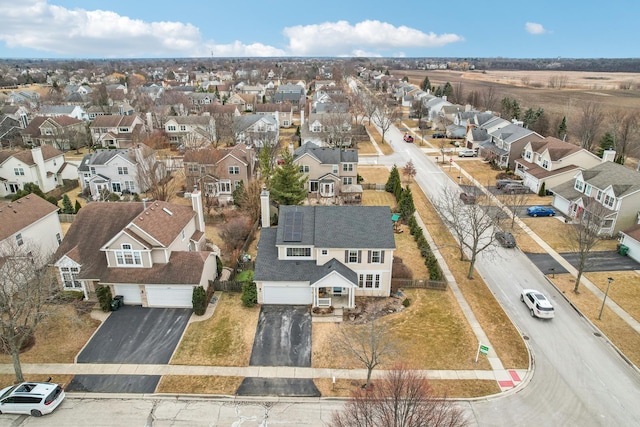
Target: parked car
x: 438, y: 135
x: 539, y: 305
x: 31, y: 398
x: 467, y: 153
x: 540, y: 211
x: 514, y: 188
x: 468, y: 198
x: 502, y: 182
x: 506, y: 239
x: 408, y: 138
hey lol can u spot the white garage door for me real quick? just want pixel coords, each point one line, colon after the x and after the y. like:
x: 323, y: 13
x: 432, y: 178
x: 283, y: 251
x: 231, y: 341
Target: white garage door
x: 131, y: 294
x: 287, y: 295
x: 169, y: 296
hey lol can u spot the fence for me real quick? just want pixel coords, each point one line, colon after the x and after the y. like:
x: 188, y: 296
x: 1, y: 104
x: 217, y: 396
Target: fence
x: 417, y: 284
x: 66, y: 217
x: 227, y: 285
x: 377, y: 187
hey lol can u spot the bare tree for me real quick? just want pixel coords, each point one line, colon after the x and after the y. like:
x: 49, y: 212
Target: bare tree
x: 457, y: 94
x: 403, y: 398
x: 585, y: 233
x: 370, y: 343
x: 588, y: 124
x: 369, y: 107
x: 489, y: 99
x: 471, y: 224
x: 515, y: 202
x: 249, y: 200
x: 337, y: 129
x: 625, y: 129
x: 384, y: 118
x: 25, y: 285
x: 234, y: 232
x: 409, y: 170
x: 154, y: 179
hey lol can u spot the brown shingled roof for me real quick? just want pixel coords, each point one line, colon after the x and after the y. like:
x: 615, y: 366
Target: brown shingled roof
x: 183, y: 268
x: 15, y: 216
x: 163, y: 221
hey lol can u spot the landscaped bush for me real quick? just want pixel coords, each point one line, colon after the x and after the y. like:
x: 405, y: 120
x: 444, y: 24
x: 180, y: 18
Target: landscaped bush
x: 218, y: 265
x: 199, y: 300
x: 249, y: 294
x: 104, y: 297
x: 406, y: 302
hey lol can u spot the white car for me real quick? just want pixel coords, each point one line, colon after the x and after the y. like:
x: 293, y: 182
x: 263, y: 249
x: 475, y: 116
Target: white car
x: 538, y: 304
x: 31, y: 398
x: 467, y: 153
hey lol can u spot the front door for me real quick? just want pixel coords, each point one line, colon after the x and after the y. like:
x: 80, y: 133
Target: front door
x: 327, y: 189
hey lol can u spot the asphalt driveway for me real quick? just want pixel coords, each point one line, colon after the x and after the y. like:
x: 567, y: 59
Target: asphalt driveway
x: 598, y: 261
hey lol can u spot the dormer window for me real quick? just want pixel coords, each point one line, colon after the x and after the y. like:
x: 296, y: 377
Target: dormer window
x: 579, y: 185
x: 545, y: 164
x: 127, y: 257
x: 609, y: 201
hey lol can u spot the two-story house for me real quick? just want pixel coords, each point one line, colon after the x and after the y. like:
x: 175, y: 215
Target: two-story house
x: 220, y: 171
x: 75, y: 111
x: 609, y: 190
x: 552, y: 161
x: 31, y: 222
x: 153, y: 254
x: 44, y: 166
x: 331, y: 129
x: 61, y: 132
x: 256, y: 130
x: 291, y: 93
x: 116, y: 171
x: 117, y: 131
x: 324, y: 255
x: 190, y: 132
x: 283, y: 113
x: 506, y: 143
x: 329, y: 171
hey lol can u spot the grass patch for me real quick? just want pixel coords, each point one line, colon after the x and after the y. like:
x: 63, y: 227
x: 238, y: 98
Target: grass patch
x: 407, y: 249
x: 366, y: 148
x: 448, y: 388
x: 198, y: 384
x: 378, y: 198
x: 624, y: 289
x: 59, y: 338
x: 374, y: 174
x: 245, y: 276
x: 225, y: 339
x: 383, y: 145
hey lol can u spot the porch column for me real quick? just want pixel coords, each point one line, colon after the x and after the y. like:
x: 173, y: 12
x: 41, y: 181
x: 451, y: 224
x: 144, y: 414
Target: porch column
x: 351, y: 298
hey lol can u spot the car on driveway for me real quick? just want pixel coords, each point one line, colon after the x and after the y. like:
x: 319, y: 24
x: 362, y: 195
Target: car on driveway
x: 467, y: 153
x: 506, y: 239
x: 31, y: 398
x: 540, y: 211
x: 502, y: 182
x: 438, y: 135
x: 514, y: 188
x: 468, y: 198
x: 539, y: 306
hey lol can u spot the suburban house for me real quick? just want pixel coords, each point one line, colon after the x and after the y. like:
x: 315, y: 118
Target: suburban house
x: 75, y: 111
x: 153, y: 254
x: 506, y: 143
x: 283, y: 113
x: 608, y: 190
x: 324, y: 256
x: 117, y: 131
x: 120, y: 108
x: 552, y: 161
x: 33, y: 222
x: 117, y: 171
x: 256, y: 130
x: 44, y: 166
x: 291, y: 93
x: 61, y: 132
x: 330, y: 172
x: 190, y: 132
x: 630, y: 237
x: 220, y: 171
x: 10, y: 129
x: 328, y: 129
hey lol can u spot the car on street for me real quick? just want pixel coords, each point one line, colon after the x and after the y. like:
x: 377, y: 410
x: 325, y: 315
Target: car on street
x: 514, y: 188
x: 408, y: 138
x: 467, y: 153
x: 468, y: 198
x: 502, y: 182
x: 505, y: 239
x: 31, y: 398
x: 540, y: 211
x: 438, y: 135
x: 539, y: 306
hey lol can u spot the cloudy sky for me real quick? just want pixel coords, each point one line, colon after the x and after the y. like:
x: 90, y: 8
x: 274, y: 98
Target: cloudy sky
x: 413, y: 28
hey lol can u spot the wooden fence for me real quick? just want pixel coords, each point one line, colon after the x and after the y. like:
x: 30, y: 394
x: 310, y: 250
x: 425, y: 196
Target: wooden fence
x: 417, y: 283
x: 377, y: 187
x: 227, y: 285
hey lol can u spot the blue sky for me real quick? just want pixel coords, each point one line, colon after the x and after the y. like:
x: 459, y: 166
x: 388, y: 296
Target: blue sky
x: 413, y: 28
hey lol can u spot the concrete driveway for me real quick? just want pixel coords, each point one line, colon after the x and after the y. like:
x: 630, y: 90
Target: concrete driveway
x: 598, y: 261
x: 131, y: 335
x: 283, y: 338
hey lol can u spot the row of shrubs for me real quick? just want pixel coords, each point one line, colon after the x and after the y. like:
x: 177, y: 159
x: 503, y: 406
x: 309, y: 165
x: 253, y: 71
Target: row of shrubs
x: 435, y: 273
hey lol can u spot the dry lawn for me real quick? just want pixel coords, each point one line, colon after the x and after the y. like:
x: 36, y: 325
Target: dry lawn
x: 408, y: 251
x: 451, y: 389
x: 384, y: 147
x: 366, y: 148
x: 378, y: 198
x: 553, y: 230
x: 373, y: 174
x: 616, y: 329
x: 624, y: 289
x: 59, y: 338
x: 225, y: 339
x: 198, y: 384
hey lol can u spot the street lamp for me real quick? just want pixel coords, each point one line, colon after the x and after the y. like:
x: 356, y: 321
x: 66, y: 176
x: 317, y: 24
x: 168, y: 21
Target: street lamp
x: 609, y: 280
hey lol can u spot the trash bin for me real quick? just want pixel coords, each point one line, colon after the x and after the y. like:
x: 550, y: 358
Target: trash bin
x: 120, y: 299
x: 623, y: 250
x: 115, y: 305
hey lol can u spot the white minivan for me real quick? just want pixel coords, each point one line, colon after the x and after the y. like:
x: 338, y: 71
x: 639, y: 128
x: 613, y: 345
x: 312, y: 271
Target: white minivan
x: 32, y: 398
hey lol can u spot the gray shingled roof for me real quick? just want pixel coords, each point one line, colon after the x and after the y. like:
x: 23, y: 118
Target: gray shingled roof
x: 623, y: 180
x: 327, y: 155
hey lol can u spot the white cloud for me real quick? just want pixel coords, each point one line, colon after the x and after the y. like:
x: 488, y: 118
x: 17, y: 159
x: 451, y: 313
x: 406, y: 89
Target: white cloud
x: 35, y: 24
x: 534, y: 28
x: 342, y: 38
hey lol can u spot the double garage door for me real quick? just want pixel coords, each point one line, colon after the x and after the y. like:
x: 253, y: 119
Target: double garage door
x: 293, y: 295
x: 157, y: 295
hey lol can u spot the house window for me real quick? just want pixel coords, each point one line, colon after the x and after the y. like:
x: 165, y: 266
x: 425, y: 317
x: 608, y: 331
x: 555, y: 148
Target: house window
x: 58, y: 238
x: 599, y: 195
x: 171, y: 128
x: 116, y: 187
x: 183, y: 128
x: 369, y: 281
x: 347, y: 167
x: 527, y: 155
x: 313, y: 186
x: 129, y: 186
x: 123, y: 129
x: 127, y: 257
x: 285, y: 123
x: 298, y: 252
x: 608, y: 201
x: 224, y: 187
x: 335, y: 168
x: 347, y: 180
x: 69, y: 277
x: 123, y: 170
x: 579, y: 185
x: 352, y: 256
x: 234, y: 170
x: 316, y: 128
x: 18, y: 171
x: 237, y: 184
x: 182, y: 234
x: 304, y: 168
x: 587, y: 189
x: 19, y: 240
x: 325, y: 252
x: 545, y: 164
x: 376, y: 257
x: 92, y: 169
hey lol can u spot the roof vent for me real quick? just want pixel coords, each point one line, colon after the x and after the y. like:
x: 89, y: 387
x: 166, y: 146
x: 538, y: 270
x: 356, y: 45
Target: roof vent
x: 167, y: 211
